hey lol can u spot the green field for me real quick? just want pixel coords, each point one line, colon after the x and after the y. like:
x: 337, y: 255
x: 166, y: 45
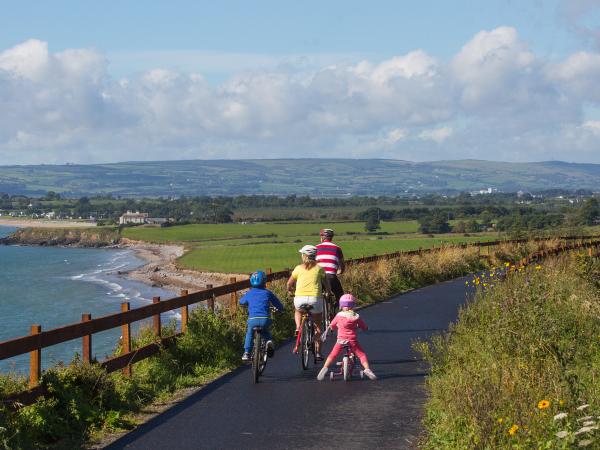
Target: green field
x: 280, y: 231
x: 243, y: 248
x: 247, y: 258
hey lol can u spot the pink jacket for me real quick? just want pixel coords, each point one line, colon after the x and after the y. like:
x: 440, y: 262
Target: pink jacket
x: 347, y: 323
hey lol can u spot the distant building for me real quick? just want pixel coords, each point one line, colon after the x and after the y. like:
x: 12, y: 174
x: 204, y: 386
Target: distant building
x: 133, y: 217
x: 156, y: 220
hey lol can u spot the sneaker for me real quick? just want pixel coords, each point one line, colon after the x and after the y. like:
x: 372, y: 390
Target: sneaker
x: 370, y: 374
x: 322, y: 374
x: 246, y: 356
x: 270, y: 349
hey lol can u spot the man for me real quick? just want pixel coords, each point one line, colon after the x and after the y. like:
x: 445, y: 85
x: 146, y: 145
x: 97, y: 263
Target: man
x: 331, y: 259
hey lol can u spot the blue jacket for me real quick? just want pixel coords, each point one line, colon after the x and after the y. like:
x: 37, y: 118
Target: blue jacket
x: 258, y: 301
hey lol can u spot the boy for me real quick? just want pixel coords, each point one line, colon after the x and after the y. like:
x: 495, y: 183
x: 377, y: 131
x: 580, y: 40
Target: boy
x: 259, y: 299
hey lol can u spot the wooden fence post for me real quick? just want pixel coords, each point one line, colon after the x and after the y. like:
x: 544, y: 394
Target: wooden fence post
x: 184, y: 312
x: 35, y: 360
x: 269, y: 272
x: 156, y: 319
x: 86, y: 341
x: 126, y: 339
x: 211, y: 301
x: 233, y: 296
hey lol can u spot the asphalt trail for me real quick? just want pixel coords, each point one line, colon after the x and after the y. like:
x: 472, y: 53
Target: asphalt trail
x: 290, y: 409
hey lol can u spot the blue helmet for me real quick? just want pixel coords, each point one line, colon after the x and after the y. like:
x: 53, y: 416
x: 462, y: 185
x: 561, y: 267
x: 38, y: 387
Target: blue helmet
x: 258, y: 279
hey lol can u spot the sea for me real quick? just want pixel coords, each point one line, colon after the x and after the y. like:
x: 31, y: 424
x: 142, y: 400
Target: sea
x: 53, y: 286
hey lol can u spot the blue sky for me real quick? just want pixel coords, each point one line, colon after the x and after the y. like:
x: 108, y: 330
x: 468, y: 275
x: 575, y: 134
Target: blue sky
x: 148, y: 31
x: 238, y: 78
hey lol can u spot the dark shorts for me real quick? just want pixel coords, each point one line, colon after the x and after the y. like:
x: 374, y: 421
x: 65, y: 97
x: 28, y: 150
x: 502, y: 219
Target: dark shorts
x: 336, y: 288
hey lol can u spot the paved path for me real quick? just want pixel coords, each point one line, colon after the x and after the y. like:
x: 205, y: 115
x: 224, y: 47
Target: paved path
x: 290, y: 409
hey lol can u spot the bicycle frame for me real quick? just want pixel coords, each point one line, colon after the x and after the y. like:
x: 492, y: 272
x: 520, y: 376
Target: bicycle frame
x: 306, y: 338
x: 348, y: 366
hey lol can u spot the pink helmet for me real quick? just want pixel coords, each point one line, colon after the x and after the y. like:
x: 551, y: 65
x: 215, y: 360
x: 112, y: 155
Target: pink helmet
x: 347, y: 301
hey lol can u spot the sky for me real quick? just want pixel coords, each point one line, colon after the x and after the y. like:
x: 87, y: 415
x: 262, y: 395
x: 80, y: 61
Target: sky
x: 91, y: 82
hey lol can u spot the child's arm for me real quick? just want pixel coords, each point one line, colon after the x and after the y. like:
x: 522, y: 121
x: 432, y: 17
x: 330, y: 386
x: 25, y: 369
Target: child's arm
x: 243, y: 300
x: 275, y: 302
x: 333, y: 324
x: 362, y: 325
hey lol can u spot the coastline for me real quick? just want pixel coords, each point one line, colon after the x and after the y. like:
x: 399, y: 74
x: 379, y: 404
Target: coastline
x: 161, y: 268
x: 45, y: 223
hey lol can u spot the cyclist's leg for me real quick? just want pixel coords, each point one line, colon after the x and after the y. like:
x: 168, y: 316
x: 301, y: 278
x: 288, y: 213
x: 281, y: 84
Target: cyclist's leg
x: 360, y: 353
x: 266, y: 331
x: 298, y: 301
x: 335, y: 352
x: 337, y: 289
x: 249, y: 335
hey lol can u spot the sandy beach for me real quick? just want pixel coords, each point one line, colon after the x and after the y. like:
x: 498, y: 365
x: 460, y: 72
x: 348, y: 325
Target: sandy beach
x: 44, y: 223
x: 161, y: 269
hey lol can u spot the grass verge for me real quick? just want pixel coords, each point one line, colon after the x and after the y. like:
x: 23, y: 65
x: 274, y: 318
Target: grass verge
x: 521, y: 363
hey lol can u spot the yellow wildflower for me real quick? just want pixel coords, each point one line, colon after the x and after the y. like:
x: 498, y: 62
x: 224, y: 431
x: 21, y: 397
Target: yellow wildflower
x: 506, y: 264
x: 538, y: 267
x: 543, y: 404
x: 512, y: 430
x: 500, y: 420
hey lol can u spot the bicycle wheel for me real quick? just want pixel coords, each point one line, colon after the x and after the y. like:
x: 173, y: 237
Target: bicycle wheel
x: 347, y: 369
x: 263, y: 357
x: 305, y: 343
x: 326, y: 309
x: 256, y: 356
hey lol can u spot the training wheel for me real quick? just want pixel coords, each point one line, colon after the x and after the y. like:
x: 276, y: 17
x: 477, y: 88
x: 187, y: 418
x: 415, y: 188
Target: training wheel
x: 331, y: 376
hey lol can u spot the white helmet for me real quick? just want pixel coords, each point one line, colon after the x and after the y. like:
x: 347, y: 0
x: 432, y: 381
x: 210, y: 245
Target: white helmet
x: 309, y: 250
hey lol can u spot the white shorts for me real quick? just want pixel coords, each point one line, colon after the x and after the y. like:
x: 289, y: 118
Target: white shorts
x: 315, y: 302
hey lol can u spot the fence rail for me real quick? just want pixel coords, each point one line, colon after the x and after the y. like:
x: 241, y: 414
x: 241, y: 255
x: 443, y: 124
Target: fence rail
x: 38, y: 339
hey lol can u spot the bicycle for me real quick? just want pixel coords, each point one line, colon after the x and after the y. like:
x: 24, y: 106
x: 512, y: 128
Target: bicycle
x: 348, y: 366
x: 259, y: 354
x: 328, y: 309
x: 306, y: 337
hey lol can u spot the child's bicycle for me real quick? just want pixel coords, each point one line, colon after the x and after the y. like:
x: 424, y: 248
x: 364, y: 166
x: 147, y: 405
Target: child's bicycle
x: 348, y: 366
x: 259, y: 354
x: 305, y: 341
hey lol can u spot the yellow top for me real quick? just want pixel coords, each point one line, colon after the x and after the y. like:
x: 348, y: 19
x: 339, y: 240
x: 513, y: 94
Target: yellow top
x: 308, y: 282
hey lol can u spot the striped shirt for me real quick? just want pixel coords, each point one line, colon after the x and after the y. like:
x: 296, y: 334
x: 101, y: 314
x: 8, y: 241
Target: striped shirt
x: 329, y: 256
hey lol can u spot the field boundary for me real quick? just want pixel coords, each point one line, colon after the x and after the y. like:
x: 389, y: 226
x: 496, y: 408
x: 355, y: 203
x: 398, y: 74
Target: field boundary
x: 84, y: 330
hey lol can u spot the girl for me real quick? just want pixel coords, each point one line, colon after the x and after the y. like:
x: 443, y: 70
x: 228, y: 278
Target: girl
x: 308, y: 279
x: 347, y: 322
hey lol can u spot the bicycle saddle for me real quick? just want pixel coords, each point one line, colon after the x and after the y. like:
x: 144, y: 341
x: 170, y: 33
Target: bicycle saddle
x: 257, y: 328
x: 305, y: 307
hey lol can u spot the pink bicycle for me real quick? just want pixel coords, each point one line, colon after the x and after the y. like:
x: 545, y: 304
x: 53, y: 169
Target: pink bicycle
x: 349, y: 366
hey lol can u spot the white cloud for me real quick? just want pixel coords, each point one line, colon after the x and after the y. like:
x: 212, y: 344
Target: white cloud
x: 593, y: 126
x: 494, y: 99
x: 438, y: 135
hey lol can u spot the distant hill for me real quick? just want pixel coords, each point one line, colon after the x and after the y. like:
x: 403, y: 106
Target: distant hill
x: 315, y: 177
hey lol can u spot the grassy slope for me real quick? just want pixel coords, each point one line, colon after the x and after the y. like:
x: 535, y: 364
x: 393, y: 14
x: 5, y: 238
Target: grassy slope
x: 530, y: 339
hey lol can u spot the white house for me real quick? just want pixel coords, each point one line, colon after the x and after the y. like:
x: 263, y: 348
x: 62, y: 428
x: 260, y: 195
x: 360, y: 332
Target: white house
x: 133, y: 217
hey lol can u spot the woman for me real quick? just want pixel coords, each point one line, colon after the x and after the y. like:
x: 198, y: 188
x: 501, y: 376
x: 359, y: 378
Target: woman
x: 308, y: 279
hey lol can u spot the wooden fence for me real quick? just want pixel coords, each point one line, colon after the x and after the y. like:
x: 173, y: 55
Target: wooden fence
x: 84, y: 330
